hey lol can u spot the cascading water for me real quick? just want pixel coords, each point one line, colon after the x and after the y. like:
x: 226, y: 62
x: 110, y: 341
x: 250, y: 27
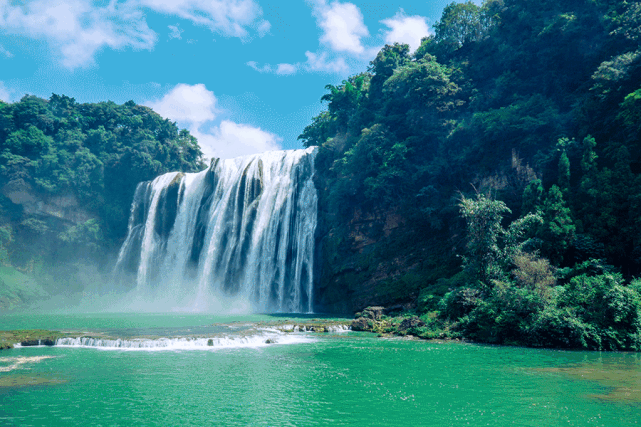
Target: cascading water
x: 243, y: 229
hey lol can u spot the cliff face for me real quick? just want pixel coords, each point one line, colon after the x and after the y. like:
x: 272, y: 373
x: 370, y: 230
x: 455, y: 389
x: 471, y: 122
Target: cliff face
x: 49, y: 244
x: 61, y: 208
x: 375, y: 259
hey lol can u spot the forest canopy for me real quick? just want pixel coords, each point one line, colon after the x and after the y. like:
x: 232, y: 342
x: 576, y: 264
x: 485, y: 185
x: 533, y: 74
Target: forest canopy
x: 528, y: 109
x: 96, y: 153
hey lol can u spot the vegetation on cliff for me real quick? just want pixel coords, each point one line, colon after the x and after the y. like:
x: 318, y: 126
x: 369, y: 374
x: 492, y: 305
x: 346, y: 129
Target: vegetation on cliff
x: 525, y: 112
x: 68, y: 172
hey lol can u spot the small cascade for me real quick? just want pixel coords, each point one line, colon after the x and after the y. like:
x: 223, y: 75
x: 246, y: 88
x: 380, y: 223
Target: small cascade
x: 241, y: 230
x: 261, y: 339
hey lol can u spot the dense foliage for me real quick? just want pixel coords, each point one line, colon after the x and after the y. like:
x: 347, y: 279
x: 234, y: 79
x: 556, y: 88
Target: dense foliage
x: 89, y: 156
x: 537, y: 104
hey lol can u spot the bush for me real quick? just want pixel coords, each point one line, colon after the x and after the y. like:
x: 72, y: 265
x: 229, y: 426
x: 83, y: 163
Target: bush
x: 459, y: 303
x: 561, y: 328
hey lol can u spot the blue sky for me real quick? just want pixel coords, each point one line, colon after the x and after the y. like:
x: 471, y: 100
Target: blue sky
x: 243, y: 76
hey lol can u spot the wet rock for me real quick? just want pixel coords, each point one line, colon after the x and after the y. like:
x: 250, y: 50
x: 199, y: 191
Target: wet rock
x: 410, y: 322
x: 373, y: 313
x: 210, y: 342
x: 362, y: 324
x: 34, y: 342
x: 270, y: 341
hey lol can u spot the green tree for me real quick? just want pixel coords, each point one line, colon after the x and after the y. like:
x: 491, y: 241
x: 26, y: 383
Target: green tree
x: 557, y: 230
x: 490, y: 247
x: 382, y: 67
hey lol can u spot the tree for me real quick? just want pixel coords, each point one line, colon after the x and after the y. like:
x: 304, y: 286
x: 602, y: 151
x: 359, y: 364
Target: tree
x: 382, y: 67
x: 490, y: 247
x: 557, y: 229
x: 460, y: 23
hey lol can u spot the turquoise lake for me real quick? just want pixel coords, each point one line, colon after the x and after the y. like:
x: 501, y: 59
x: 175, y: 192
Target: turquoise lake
x: 302, y: 379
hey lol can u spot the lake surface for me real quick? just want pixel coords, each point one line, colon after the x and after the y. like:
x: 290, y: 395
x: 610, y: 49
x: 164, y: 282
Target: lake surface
x: 302, y: 379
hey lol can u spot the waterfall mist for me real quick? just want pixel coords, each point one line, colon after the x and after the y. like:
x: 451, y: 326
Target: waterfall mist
x: 236, y: 237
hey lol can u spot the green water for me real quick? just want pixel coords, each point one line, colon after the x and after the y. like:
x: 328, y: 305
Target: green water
x: 327, y: 379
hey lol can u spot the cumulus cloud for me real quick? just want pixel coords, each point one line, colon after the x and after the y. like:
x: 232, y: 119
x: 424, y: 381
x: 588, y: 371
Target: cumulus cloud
x: 342, y: 25
x: 231, y: 139
x: 78, y: 29
x: 195, y: 108
x: 187, y: 104
x: 406, y: 29
x: 341, y: 41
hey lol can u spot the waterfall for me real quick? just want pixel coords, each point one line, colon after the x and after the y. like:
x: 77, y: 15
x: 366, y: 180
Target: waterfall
x: 242, y: 229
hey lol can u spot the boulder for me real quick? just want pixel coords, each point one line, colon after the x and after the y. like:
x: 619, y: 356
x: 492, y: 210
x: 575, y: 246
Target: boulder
x: 373, y: 313
x: 410, y: 322
x: 362, y: 324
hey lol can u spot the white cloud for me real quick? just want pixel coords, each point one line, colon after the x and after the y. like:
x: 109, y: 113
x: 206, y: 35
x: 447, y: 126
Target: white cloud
x: 232, y: 140
x: 320, y: 62
x: 5, y: 95
x: 175, y: 32
x: 229, y: 17
x: 283, y: 69
x: 315, y: 63
x: 187, y: 104
x: 342, y: 24
x: 406, y: 29
x: 264, y: 69
x: 286, y: 69
x: 5, y: 52
x: 77, y: 28
x: 194, y: 107
x: 263, y: 28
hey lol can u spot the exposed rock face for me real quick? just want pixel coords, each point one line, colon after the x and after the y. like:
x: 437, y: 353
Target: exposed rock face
x: 409, y: 323
x: 376, y: 259
x: 63, y: 207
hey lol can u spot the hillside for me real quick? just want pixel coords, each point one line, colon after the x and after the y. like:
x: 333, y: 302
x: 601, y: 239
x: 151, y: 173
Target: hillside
x: 491, y: 177
x: 68, y: 172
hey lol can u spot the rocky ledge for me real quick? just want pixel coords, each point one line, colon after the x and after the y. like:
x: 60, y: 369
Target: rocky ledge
x: 312, y: 325
x: 397, y: 321
x: 28, y: 338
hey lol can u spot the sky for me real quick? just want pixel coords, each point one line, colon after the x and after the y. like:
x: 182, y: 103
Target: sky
x: 243, y: 76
